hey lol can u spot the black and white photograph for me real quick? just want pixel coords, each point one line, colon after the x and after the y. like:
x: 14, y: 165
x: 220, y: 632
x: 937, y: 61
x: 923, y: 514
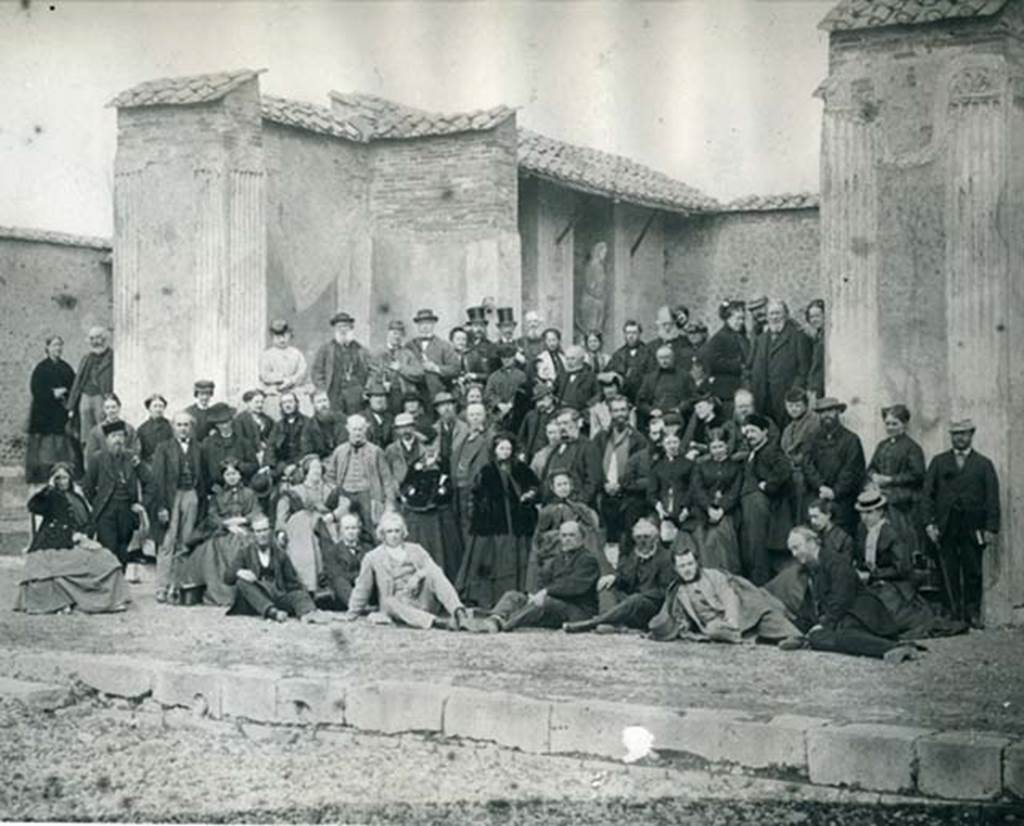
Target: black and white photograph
x: 512, y: 412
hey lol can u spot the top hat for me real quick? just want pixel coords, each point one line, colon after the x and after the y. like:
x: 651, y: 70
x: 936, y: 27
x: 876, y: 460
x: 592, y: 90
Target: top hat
x: 870, y: 500
x: 341, y: 317
x: 424, y: 315
x: 279, y: 327
x: 829, y: 403
x: 475, y: 314
x: 506, y: 315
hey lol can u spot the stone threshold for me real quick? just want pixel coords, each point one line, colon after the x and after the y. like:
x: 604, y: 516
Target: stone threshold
x: 950, y: 765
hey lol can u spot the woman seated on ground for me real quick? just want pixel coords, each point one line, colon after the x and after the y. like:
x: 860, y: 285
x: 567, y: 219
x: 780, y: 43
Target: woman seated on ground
x: 307, y: 504
x: 65, y: 568
x: 411, y: 587
x: 715, y: 494
x: 217, y: 542
x: 564, y: 507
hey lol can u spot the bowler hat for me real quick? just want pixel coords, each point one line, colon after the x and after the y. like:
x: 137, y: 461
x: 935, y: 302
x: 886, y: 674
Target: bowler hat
x: 279, y: 327
x: 506, y: 315
x: 870, y: 500
x: 961, y: 426
x: 397, y: 324
x: 758, y: 421
x: 405, y: 420
x: 220, y: 413
x: 829, y: 403
x: 341, y: 317
x: 444, y: 397
x: 424, y: 315
x: 113, y: 427
x: 261, y: 483
x: 474, y: 314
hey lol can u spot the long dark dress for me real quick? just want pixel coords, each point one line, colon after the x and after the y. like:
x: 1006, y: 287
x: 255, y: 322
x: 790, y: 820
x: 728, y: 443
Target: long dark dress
x: 427, y: 494
x: 717, y: 484
x: 151, y: 433
x: 501, y: 528
x: 217, y: 547
x: 48, y: 441
x: 902, y: 458
x: 62, y: 571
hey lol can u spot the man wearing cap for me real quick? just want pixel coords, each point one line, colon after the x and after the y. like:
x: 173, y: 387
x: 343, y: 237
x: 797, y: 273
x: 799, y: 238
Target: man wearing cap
x: 202, y: 391
x: 505, y: 387
x: 113, y: 483
x: 764, y: 501
x: 834, y: 465
x: 284, y: 447
x: 222, y: 442
x: 758, y: 309
x: 438, y: 359
x: 576, y: 456
x: 668, y: 387
x: 397, y: 367
x: 379, y: 420
x: 97, y: 441
x: 93, y: 381
x: 253, y: 424
x: 961, y: 514
x: 282, y: 367
x: 633, y: 360
x: 532, y: 430
x: 359, y: 469
x: 177, y: 497
x: 324, y: 430
x: 780, y: 357
x: 342, y: 366
x: 405, y: 451
x: 449, y: 426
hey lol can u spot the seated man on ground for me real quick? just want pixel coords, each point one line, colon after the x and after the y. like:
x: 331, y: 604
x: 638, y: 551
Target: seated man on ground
x: 411, y: 587
x: 265, y: 580
x: 705, y: 604
x: 567, y: 592
x: 342, y: 559
x: 563, y: 507
x: 637, y: 586
x: 838, y: 613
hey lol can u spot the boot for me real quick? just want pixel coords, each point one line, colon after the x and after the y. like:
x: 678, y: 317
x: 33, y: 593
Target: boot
x: 578, y: 627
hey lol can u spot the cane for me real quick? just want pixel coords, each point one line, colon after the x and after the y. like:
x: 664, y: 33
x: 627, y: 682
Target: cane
x: 945, y: 575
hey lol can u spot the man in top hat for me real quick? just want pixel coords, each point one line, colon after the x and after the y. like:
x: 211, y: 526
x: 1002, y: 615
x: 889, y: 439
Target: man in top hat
x: 961, y: 510
x: 379, y: 419
x: 758, y: 309
x: 224, y: 441
x: 440, y: 363
x: 834, y: 464
x: 779, y: 360
x: 481, y: 358
x: 449, y: 426
x: 633, y: 360
x: 507, y: 329
x: 202, y: 391
x: 113, y: 483
x: 397, y: 367
x: 93, y: 381
x: 282, y: 366
x: 342, y: 366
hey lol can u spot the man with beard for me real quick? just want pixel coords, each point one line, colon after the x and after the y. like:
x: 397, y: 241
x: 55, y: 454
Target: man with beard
x: 284, y: 448
x: 742, y: 408
x: 758, y: 308
x: 764, y: 502
x: 577, y: 456
x: 619, y: 447
x: 93, y: 381
x: 342, y: 366
x: 470, y: 452
x: 449, y: 426
x: 600, y: 411
x: 534, y: 427
x: 638, y: 585
x: 437, y: 358
x: 252, y: 424
x: 708, y: 604
x: 397, y: 367
x: 668, y: 387
x: 324, y: 430
x: 632, y: 360
x: 834, y: 465
x: 480, y: 357
x: 222, y: 442
x: 670, y: 333
x: 405, y: 451
x: 779, y: 360
x: 113, y: 483
x: 577, y: 386
x: 531, y: 344
x: 358, y: 468
x: 379, y: 419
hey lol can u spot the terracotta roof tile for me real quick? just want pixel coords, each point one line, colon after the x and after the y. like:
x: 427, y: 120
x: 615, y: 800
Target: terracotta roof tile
x: 868, y: 14
x: 381, y: 119
x: 183, y: 91
x: 42, y: 236
x: 767, y: 203
x: 309, y: 116
x: 602, y: 173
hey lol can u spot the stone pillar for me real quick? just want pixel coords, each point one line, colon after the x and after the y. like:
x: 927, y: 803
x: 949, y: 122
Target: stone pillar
x: 546, y: 231
x: 618, y: 306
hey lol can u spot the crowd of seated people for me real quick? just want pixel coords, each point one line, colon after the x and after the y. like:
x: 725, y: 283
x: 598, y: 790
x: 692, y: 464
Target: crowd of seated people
x: 686, y: 486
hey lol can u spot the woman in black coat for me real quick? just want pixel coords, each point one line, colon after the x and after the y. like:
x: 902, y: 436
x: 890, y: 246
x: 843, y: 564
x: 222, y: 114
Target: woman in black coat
x: 715, y: 497
x: 48, y: 441
x: 726, y: 353
x: 503, y: 517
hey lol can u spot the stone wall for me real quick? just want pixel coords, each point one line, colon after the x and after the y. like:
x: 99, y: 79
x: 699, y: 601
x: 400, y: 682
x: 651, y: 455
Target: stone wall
x: 58, y: 287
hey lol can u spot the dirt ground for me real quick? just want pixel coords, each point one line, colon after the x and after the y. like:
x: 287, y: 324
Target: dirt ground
x: 109, y: 761
x: 973, y: 681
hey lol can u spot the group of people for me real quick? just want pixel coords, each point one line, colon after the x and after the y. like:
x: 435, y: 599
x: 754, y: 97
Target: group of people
x: 687, y: 486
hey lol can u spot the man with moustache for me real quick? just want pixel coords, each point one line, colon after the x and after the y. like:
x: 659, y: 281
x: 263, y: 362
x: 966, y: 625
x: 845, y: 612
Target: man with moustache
x: 324, y: 430
x: 764, y: 500
x: 779, y: 360
x: 618, y: 448
x: 437, y: 358
x: 632, y: 360
x: 93, y: 381
x: 834, y: 465
x: 342, y: 366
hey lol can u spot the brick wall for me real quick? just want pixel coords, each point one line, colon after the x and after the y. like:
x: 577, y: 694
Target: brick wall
x: 45, y: 289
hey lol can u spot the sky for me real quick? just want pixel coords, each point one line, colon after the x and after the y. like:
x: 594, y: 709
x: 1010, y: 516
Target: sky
x: 717, y: 93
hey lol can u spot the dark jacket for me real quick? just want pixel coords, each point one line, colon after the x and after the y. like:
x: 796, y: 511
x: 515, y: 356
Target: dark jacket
x: 382, y: 430
x: 716, y: 484
x: 892, y: 556
x: 572, y: 577
x: 321, y: 437
x: 664, y: 390
x: 902, y: 459
x: 776, y: 366
x: 425, y: 488
x: 971, y: 493
x: 532, y: 435
x: 577, y: 390
x: 167, y: 459
x: 101, y: 477
x: 285, y: 444
x: 669, y: 484
x: 649, y: 577
x: 216, y: 449
x: 63, y: 513
x: 493, y: 501
x: 281, y: 578
x: 816, y: 368
x: 48, y: 413
x: 835, y: 596
x: 769, y: 465
x: 838, y: 541
x: 725, y: 356
x: 97, y: 367
x: 632, y: 363
x: 836, y: 459
x: 151, y: 433
x: 255, y: 430
x: 635, y: 442
x: 581, y: 459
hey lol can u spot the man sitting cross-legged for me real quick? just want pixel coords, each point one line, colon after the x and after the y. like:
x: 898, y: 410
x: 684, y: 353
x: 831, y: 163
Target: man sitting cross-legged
x: 267, y: 584
x: 342, y: 560
x: 706, y: 604
x: 411, y: 587
x: 567, y: 592
x: 637, y: 586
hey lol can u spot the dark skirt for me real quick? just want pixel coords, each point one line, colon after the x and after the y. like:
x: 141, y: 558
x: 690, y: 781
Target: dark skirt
x: 719, y: 546
x: 207, y: 564
x: 492, y: 566
x: 86, y: 577
x: 438, y: 532
x: 44, y: 450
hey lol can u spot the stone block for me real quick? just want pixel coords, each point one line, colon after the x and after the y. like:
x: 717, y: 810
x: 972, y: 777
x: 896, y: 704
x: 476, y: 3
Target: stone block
x: 966, y: 765
x: 873, y: 757
x: 506, y: 719
x: 195, y: 687
x: 778, y: 743
x: 45, y: 666
x: 43, y: 696
x: 310, y: 700
x: 1013, y: 770
x: 391, y: 707
x: 584, y: 727
x: 250, y: 694
x: 130, y: 677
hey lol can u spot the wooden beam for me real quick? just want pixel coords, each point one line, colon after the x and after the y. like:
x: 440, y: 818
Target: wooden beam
x: 640, y: 238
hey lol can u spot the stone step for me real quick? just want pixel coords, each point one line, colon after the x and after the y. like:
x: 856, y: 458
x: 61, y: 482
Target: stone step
x: 44, y: 696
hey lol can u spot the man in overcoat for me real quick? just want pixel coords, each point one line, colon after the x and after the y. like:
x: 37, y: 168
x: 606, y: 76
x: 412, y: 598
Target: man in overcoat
x: 93, y: 381
x: 342, y: 366
x: 833, y: 465
x: 764, y: 500
x: 779, y: 360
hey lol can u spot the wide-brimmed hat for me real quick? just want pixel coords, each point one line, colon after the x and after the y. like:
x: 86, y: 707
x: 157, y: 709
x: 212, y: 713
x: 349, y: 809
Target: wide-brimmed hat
x: 870, y: 500
x: 424, y: 315
x: 962, y: 426
x: 220, y: 413
x: 279, y: 327
x: 341, y: 317
x: 405, y: 420
x: 829, y: 403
